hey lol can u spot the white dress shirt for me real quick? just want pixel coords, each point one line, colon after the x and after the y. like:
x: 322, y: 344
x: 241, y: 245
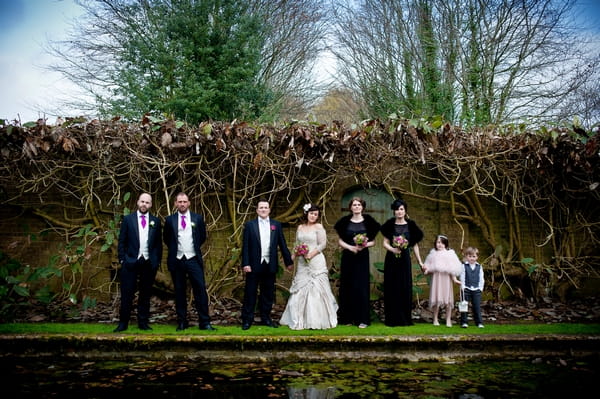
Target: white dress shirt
x: 143, y: 236
x: 264, y: 227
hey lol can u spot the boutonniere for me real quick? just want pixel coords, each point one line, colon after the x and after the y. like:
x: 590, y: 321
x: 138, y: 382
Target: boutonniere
x: 272, y: 227
x: 152, y: 224
x: 193, y: 225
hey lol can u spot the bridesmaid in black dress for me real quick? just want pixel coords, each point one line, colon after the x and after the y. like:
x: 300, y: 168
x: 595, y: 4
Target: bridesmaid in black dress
x: 356, y: 233
x: 397, y: 275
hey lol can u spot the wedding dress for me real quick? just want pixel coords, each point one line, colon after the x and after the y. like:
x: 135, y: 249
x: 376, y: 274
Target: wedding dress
x: 311, y: 304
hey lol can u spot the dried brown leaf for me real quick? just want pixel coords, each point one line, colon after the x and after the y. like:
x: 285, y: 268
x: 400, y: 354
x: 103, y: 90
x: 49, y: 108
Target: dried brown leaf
x: 258, y: 160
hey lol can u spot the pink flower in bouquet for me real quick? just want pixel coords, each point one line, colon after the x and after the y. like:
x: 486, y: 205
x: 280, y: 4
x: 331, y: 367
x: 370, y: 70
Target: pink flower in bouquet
x: 301, y: 250
x: 361, y: 240
x: 399, y: 242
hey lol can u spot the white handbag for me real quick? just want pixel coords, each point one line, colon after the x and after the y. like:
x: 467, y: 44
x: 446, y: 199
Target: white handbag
x: 463, y: 306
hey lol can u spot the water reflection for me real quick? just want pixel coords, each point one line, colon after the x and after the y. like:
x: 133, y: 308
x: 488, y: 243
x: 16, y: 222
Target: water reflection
x: 476, y: 379
x: 311, y: 393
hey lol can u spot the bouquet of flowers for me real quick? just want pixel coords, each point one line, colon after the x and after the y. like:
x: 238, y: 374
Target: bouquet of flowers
x: 301, y: 250
x: 399, y: 242
x: 361, y: 240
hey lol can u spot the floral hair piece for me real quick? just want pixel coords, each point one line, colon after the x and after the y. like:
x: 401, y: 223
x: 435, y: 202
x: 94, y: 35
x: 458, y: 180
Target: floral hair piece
x: 306, y: 207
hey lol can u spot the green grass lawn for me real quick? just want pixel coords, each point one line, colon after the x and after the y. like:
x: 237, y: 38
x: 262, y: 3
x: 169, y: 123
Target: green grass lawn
x: 376, y: 329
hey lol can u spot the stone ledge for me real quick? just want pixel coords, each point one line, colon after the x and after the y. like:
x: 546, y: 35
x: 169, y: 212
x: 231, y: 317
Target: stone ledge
x: 216, y: 348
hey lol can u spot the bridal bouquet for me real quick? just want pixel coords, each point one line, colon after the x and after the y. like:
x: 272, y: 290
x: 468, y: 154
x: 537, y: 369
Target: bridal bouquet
x: 361, y: 240
x: 301, y: 250
x: 399, y: 242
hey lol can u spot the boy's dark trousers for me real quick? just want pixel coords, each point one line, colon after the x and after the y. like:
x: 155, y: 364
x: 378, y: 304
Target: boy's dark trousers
x: 474, y: 297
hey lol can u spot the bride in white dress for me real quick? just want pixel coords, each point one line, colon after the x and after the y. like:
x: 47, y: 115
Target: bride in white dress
x: 311, y: 304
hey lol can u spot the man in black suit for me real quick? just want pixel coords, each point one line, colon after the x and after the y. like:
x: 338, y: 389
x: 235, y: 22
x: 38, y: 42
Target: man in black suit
x: 262, y: 237
x: 140, y: 253
x: 184, y: 233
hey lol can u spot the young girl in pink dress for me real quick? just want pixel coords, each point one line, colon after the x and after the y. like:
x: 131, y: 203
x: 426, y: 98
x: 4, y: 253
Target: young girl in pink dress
x: 444, y: 265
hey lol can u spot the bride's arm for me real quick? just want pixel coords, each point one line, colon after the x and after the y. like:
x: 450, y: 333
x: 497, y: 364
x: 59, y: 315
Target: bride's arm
x: 321, y: 242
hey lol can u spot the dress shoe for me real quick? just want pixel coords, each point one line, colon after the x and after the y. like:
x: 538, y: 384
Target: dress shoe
x: 207, y: 327
x: 144, y: 326
x: 245, y: 326
x: 269, y: 323
x: 182, y: 326
x: 120, y: 327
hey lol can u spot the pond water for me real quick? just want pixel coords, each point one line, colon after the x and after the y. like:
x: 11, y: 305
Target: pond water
x: 73, y: 378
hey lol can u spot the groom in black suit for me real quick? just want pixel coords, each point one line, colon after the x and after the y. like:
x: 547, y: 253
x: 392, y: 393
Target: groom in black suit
x: 140, y: 253
x: 262, y: 237
x: 184, y: 234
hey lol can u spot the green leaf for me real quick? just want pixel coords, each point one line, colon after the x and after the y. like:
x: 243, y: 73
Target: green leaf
x: 532, y: 269
x: 437, y: 124
x: 207, y: 129
x: 13, y: 280
x: 76, y: 267
x: 53, y: 260
x: 44, y: 295
x: 22, y: 291
x: 88, y: 303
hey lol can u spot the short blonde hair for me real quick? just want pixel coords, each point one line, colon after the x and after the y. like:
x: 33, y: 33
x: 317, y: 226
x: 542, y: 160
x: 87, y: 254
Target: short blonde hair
x: 471, y: 251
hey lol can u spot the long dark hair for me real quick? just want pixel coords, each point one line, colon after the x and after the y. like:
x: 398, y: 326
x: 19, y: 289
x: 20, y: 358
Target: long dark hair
x: 443, y: 239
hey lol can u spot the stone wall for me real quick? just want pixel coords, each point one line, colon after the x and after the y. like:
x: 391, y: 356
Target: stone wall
x: 26, y: 237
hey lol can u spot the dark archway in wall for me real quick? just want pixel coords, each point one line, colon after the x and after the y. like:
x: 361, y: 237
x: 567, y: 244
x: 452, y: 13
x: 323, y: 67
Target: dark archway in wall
x: 378, y: 206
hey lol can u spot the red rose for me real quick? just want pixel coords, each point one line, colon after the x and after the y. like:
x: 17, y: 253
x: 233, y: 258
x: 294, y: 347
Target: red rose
x: 273, y: 227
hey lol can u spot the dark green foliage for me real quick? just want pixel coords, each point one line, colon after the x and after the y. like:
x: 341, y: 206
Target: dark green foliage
x: 192, y: 60
x: 19, y: 283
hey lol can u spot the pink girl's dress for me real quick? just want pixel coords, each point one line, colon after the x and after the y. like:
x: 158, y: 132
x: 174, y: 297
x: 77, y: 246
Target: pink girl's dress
x: 442, y: 265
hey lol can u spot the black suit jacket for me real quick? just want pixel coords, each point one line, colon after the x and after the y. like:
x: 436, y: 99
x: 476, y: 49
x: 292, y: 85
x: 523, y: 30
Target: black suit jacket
x: 251, y: 249
x: 129, y: 240
x: 170, y: 236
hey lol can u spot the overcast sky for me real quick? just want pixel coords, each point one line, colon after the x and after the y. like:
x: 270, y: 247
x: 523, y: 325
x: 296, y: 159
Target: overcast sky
x: 26, y: 25
x: 27, y: 89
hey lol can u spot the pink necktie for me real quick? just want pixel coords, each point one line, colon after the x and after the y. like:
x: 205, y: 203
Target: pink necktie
x: 183, y: 222
x: 143, y: 221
